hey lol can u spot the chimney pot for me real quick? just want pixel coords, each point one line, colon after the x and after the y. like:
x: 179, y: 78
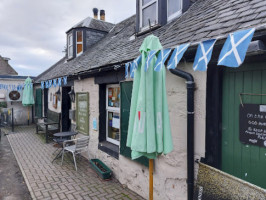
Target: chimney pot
x: 102, y: 15
x: 95, y: 13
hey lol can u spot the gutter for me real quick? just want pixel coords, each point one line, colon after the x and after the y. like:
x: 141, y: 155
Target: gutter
x: 190, y: 129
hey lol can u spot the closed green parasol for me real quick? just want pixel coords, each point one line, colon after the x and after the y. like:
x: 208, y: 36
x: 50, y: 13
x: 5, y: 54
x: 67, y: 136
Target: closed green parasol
x: 149, y: 131
x: 28, y: 98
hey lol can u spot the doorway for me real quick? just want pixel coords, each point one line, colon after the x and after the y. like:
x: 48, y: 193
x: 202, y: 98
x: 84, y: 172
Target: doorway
x: 66, y: 106
x: 245, y: 161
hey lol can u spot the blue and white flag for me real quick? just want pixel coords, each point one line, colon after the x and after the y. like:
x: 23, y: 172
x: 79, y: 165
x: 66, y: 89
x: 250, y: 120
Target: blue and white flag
x: 59, y: 82
x: 177, y: 55
x: 55, y: 82
x: 136, y: 62
x: 126, y: 70
x: 163, y: 55
x: 65, y: 80
x: 50, y: 83
x: 46, y: 84
x: 235, y: 48
x: 149, y: 59
x: 133, y: 68
x: 42, y: 84
x: 203, y: 55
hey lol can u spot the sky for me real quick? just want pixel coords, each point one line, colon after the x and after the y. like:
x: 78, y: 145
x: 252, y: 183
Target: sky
x: 33, y: 34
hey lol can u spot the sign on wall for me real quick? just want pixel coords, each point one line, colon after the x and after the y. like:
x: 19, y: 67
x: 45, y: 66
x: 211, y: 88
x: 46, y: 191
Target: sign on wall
x: 252, y: 124
x: 82, y: 112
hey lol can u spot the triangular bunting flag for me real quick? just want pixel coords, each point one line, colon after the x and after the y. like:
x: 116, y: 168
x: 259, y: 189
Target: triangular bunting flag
x: 42, y: 84
x: 59, y: 82
x: 132, y: 69
x: 235, y: 48
x: 65, y: 80
x: 149, y: 59
x: 203, y: 55
x: 126, y: 70
x: 55, y: 82
x: 177, y: 55
x: 163, y: 55
x: 136, y: 62
x: 50, y: 83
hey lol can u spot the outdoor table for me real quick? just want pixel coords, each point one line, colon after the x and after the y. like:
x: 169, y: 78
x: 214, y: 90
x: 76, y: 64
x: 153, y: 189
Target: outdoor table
x: 61, y: 137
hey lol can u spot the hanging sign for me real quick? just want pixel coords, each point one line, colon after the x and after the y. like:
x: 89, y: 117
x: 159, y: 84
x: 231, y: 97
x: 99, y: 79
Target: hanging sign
x: 252, y: 124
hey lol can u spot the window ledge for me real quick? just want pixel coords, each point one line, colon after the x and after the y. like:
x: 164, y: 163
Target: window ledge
x: 109, y: 148
x: 142, y: 32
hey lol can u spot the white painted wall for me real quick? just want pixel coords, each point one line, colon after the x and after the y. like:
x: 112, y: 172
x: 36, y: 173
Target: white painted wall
x: 20, y: 111
x: 170, y: 171
x: 51, y: 92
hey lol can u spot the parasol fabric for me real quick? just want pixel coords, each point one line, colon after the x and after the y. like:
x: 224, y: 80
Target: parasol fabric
x: 149, y: 132
x: 27, y: 98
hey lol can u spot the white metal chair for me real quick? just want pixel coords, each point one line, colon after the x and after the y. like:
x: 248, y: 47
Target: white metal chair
x: 81, y: 145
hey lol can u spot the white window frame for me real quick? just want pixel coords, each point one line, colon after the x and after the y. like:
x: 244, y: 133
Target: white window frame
x: 176, y: 14
x: 69, y: 45
x: 114, y: 110
x: 141, y: 7
x: 78, y: 54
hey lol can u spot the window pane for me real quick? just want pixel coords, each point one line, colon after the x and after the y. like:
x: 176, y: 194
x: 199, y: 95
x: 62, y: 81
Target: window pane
x: 114, y: 97
x: 70, y: 52
x: 149, y: 13
x: 79, y: 48
x: 173, y: 6
x: 70, y: 40
x: 144, y: 2
x: 113, y: 125
x: 79, y: 36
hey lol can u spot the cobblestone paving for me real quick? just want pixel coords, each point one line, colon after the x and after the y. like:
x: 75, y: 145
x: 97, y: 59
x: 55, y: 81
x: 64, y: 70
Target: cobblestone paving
x: 53, y: 181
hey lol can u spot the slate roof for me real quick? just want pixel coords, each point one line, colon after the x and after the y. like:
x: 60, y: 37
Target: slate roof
x: 94, y: 24
x: 205, y: 19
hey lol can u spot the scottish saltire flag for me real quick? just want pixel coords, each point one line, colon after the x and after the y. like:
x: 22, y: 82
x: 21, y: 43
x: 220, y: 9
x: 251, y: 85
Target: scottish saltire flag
x: 203, y: 55
x: 59, y: 82
x: 126, y: 70
x: 177, y: 55
x: 46, y: 84
x: 55, y: 82
x: 133, y: 67
x: 65, y: 80
x: 149, y: 59
x: 235, y: 48
x: 136, y: 62
x: 42, y: 84
x: 50, y: 83
x: 163, y: 55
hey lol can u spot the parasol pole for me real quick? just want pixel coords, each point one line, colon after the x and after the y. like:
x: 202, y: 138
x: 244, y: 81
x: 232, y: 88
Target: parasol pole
x: 28, y: 115
x: 151, y: 179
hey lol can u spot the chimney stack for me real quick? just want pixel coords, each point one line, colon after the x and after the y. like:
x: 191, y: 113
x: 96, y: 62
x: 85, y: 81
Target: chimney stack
x: 102, y: 15
x: 95, y: 13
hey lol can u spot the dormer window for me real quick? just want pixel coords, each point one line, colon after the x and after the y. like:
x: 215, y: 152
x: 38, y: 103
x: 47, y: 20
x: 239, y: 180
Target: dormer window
x: 148, y: 11
x: 79, y: 42
x: 174, y: 9
x: 70, y: 46
x: 155, y: 13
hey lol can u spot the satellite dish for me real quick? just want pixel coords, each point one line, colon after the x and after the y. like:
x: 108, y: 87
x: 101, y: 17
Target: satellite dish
x: 14, y: 95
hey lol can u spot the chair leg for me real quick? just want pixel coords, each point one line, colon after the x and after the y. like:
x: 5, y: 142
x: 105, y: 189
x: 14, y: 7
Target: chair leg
x: 62, y: 157
x: 75, y: 161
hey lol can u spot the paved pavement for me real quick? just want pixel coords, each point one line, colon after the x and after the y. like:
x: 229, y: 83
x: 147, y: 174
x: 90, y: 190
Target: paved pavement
x: 12, y: 184
x: 53, y: 181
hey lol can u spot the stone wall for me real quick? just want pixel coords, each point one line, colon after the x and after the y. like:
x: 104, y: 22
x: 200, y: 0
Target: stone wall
x: 170, y: 171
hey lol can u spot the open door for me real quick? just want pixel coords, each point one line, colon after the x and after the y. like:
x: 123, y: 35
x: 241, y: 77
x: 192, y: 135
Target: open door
x: 66, y: 106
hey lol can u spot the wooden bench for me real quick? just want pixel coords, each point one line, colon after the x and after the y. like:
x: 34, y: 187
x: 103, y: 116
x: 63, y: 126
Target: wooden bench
x: 50, y: 124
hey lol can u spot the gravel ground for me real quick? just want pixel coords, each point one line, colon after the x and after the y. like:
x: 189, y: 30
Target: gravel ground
x: 12, y: 184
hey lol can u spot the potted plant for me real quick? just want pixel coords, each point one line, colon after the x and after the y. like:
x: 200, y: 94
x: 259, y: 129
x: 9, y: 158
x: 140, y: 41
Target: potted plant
x: 101, y: 169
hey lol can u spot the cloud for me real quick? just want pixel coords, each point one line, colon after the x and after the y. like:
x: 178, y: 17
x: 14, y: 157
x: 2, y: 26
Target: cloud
x: 33, y: 32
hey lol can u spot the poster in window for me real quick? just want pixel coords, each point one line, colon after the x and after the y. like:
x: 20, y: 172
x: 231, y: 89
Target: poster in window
x: 82, y: 112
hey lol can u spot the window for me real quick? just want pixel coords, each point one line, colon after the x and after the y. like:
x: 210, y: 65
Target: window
x: 79, y: 38
x: 148, y: 11
x: 113, y: 114
x: 174, y: 8
x: 70, y: 45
